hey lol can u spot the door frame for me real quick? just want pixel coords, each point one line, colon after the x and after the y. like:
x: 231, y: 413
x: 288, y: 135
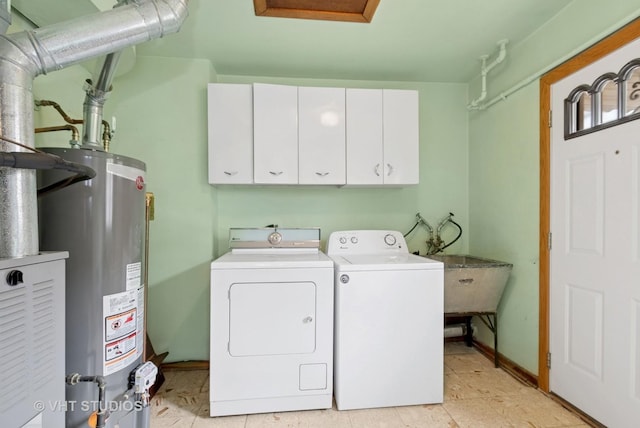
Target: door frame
x: 620, y: 38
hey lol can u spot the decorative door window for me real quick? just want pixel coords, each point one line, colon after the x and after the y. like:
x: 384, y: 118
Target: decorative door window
x: 612, y: 99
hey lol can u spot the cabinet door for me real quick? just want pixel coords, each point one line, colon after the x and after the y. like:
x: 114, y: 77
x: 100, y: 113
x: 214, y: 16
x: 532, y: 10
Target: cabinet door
x: 275, y: 134
x: 364, y: 136
x: 321, y: 135
x: 401, y: 136
x: 230, y: 115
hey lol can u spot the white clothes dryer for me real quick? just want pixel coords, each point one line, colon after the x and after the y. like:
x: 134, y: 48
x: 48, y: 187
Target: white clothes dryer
x: 271, y: 323
x: 388, y: 336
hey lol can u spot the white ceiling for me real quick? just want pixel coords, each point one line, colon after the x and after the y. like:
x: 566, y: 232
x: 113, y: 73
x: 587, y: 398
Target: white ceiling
x: 412, y: 40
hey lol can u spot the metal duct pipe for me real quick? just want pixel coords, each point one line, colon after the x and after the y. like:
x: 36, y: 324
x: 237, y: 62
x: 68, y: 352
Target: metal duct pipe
x: 97, y: 91
x: 27, y: 54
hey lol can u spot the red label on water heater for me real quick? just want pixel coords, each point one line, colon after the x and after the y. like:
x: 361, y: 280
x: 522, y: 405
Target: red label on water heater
x: 140, y: 182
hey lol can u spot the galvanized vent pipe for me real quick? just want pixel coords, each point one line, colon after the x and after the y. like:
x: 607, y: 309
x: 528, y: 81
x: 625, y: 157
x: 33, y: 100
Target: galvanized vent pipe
x: 97, y: 91
x: 26, y: 55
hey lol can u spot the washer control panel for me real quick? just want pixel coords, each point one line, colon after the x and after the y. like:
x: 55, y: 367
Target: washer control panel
x: 366, y: 242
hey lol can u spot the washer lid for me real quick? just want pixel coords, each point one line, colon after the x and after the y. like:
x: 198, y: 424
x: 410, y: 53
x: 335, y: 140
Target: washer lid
x: 365, y: 262
x: 276, y: 258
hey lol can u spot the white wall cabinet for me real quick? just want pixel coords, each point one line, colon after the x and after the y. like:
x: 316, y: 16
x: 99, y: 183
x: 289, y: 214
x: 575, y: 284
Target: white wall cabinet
x: 275, y: 134
x: 382, y: 137
x: 321, y: 135
x: 364, y: 137
x: 230, y: 118
x: 278, y: 134
x: 401, y: 136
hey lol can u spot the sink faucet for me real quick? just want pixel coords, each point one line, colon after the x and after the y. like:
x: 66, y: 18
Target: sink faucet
x: 436, y: 244
x: 421, y: 220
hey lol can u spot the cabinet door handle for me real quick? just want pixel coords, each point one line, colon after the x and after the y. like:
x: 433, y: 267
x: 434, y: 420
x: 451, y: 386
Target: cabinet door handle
x: 376, y: 170
x: 230, y: 173
x: 390, y: 169
x: 322, y: 174
x: 275, y: 173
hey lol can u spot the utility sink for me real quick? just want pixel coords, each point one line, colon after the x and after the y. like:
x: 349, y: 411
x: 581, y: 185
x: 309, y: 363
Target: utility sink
x: 472, y: 284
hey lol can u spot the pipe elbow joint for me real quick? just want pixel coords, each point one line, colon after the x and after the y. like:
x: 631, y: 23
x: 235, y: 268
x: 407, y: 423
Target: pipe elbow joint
x: 168, y: 16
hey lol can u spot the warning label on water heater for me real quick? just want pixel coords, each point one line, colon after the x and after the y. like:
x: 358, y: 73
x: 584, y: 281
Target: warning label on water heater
x: 120, y: 314
x: 120, y: 324
x: 134, y: 274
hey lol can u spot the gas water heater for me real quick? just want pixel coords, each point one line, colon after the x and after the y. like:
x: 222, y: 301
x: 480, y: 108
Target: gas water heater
x: 101, y: 223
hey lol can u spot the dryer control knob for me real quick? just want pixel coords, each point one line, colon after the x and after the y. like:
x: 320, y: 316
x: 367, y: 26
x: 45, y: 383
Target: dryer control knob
x: 389, y: 239
x: 275, y: 238
x: 343, y: 240
x: 344, y: 279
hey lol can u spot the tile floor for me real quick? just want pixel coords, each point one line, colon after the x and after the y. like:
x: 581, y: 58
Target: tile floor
x: 475, y: 395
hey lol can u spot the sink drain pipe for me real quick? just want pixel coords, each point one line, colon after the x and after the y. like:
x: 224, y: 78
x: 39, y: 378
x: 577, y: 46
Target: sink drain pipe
x: 457, y: 330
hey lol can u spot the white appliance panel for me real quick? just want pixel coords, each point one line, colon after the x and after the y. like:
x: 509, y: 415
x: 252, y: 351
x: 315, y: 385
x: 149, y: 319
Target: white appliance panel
x: 273, y: 259
x: 267, y: 377
x: 389, y: 308
x: 388, y: 338
x: 32, y: 338
x: 272, y: 318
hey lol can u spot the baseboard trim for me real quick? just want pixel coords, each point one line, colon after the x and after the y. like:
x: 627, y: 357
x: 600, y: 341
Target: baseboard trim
x: 186, y: 365
x: 582, y: 415
x: 507, y: 365
x: 529, y: 378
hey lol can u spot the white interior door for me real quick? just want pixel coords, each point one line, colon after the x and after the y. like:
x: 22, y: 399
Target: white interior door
x: 595, y: 260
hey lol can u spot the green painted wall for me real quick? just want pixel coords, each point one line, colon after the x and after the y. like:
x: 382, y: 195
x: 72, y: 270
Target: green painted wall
x: 442, y: 188
x: 504, y: 164
x: 482, y: 166
x: 503, y: 214
x: 160, y: 107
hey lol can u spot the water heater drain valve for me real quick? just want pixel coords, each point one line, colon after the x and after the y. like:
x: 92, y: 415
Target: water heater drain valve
x: 143, y: 377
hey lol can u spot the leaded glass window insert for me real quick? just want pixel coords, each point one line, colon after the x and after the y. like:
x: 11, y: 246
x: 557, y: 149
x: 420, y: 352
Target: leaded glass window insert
x: 612, y: 99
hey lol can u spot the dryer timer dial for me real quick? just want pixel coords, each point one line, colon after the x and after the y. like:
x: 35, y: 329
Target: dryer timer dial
x: 275, y: 238
x: 389, y: 239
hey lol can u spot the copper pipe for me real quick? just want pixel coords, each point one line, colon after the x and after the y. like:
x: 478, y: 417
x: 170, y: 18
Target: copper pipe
x: 148, y: 216
x: 74, y: 131
x: 106, y: 133
x: 56, y: 106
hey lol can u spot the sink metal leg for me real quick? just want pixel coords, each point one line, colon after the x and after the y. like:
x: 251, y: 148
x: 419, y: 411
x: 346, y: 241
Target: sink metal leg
x: 490, y: 319
x: 496, y: 361
x: 468, y: 336
x: 492, y: 324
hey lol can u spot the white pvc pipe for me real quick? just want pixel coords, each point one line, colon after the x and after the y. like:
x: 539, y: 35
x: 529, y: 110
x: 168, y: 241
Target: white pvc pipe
x: 485, y: 69
x: 454, y: 331
x: 503, y: 95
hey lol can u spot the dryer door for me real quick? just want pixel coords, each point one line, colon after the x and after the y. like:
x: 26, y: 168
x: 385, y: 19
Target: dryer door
x: 272, y: 318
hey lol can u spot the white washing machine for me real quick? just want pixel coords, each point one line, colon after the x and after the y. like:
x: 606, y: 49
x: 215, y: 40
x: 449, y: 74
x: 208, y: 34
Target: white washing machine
x: 271, y: 323
x: 388, y: 336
